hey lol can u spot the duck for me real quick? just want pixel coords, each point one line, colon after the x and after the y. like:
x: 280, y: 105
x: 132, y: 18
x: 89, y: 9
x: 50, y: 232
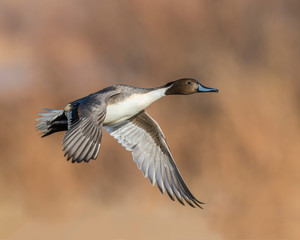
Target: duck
x: 120, y: 110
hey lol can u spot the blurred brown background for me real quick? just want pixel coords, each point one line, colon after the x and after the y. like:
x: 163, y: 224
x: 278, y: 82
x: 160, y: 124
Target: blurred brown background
x: 237, y: 150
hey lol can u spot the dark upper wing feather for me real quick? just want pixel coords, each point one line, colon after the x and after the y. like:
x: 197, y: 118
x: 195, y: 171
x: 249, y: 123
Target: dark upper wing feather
x: 85, y: 119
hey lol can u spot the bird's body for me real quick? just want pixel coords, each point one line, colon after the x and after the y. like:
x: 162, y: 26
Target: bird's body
x: 120, y: 110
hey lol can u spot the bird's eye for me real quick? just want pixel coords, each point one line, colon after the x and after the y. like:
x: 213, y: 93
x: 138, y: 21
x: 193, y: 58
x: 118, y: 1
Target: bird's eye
x: 189, y: 82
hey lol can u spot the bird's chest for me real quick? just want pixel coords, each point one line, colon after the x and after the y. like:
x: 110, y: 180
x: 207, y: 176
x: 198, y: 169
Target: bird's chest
x: 122, y: 110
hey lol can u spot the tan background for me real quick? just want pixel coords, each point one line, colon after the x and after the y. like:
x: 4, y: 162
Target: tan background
x: 237, y: 150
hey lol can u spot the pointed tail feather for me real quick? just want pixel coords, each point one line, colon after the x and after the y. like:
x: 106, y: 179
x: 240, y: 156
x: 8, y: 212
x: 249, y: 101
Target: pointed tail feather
x: 51, y: 121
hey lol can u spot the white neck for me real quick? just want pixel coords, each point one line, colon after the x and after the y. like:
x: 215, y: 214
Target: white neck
x: 154, y: 95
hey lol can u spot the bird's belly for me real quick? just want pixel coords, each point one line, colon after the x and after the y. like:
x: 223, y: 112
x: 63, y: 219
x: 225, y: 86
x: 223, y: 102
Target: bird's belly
x: 118, y: 112
x: 116, y: 115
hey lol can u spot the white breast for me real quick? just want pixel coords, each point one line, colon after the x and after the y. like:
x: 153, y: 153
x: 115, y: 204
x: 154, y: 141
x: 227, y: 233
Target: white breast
x: 124, y: 110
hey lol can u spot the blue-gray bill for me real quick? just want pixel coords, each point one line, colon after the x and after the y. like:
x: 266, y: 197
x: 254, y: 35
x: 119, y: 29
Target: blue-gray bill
x: 202, y: 88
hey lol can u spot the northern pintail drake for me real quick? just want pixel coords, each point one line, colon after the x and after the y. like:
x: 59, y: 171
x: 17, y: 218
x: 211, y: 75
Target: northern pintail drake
x: 120, y: 109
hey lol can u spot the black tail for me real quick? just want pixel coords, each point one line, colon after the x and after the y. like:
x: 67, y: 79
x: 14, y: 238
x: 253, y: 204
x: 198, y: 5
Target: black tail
x: 52, y: 121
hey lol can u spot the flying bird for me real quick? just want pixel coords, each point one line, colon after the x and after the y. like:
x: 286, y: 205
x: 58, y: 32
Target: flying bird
x: 120, y: 109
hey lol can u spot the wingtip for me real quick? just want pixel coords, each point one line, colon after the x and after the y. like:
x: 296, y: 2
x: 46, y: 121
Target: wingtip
x: 198, y: 205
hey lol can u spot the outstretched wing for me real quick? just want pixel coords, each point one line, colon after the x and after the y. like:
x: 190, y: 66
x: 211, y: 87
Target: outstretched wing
x: 82, y: 139
x: 143, y: 137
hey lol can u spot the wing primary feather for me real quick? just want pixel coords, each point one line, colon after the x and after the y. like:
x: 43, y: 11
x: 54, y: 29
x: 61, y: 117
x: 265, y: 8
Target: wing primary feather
x: 97, y: 142
x: 186, y: 198
x: 95, y: 154
x: 70, y: 146
x: 91, y: 151
x: 138, y: 158
x: 88, y: 154
x: 74, y: 145
x: 80, y: 149
x: 96, y: 151
x: 159, y: 177
x: 175, y: 188
x: 167, y: 184
x: 85, y: 151
x: 186, y: 190
x: 94, y: 145
x: 88, y: 129
x: 151, y: 172
x: 152, y: 166
x: 69, y: 136
x: 145, y: 166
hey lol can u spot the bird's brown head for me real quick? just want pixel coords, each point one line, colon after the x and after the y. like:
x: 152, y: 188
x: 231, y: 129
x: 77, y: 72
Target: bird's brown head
x: 186, y: 86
